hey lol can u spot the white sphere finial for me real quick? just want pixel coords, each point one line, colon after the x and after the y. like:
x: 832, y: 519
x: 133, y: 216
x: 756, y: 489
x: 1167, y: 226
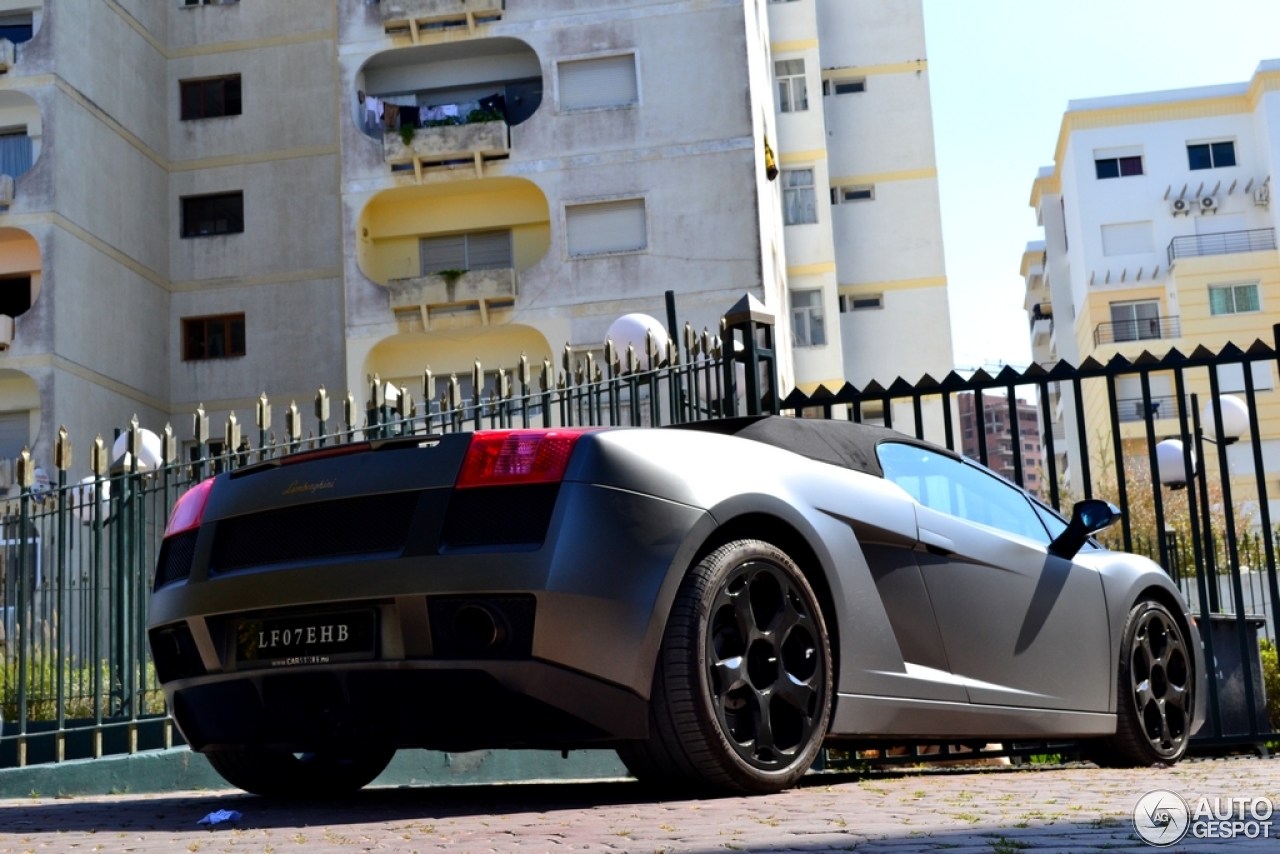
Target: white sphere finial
x: 1171, y: 466
x: 1235, y: 418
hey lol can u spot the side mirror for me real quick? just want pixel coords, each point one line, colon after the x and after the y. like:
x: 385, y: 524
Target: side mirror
x: 1087, y: 518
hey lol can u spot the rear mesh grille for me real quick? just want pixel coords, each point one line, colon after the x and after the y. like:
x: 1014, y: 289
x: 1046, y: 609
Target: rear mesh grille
x: 500, y: 515
x: 374, y: 523
x: 176, y: 554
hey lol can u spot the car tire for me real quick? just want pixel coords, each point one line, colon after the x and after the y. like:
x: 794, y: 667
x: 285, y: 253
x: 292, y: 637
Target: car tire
x: 322, y: 773
x: 1155, y: 697
x: 742, y: 689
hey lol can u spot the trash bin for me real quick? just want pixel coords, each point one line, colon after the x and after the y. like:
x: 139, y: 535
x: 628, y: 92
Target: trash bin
x: 1227, y: 667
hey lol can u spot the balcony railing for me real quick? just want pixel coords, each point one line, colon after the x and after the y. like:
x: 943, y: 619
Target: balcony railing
x: 448, y: 145
x: 418, y: 15
x: 1134, y: 409
x: 1144, y: 329
x: 454, y: 288
x: 1227, y: 243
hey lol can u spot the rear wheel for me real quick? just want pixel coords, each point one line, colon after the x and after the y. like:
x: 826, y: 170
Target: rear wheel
x: 1155, y: 694
x: 303, y: 775
x: 742, y: 689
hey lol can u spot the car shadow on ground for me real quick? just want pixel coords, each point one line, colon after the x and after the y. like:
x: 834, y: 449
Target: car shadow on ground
x: 177, y: 813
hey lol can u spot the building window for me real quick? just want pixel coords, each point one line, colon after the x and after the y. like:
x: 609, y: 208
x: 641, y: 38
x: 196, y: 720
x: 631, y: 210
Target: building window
x: 1135, y: 321
x: 793, y: 91
x: 15, y: 295
x: 1211, y: 155
x: 799, y: 203
x: 848, y: 86
x: 1118, y: 167
x: 806, y: 318
x: 209, y: 99
x: 218, y: 337
x: 17, y: 27
x: 1234, y: 299
x: 602, y: 228
x: 867, y: 302
x: 607, y: 81
x: 206, y: 216
x: 483, y: 250
x: 861, y: 193
x: 16, y: 153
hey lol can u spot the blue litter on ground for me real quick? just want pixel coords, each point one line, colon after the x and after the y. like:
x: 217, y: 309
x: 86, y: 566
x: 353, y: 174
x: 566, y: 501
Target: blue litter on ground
x: 215, y: 818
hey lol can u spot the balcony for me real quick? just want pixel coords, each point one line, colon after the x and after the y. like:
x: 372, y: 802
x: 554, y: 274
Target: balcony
x: 1134, y: 409
x: 449, y: 145
x: 417, y: 16
x: 1227, y: 243
x: 456, y: 288
x: 1142, y: 329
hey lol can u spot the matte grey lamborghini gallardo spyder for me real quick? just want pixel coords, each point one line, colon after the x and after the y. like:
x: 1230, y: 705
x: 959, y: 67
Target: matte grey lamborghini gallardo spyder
x: 714, y: 602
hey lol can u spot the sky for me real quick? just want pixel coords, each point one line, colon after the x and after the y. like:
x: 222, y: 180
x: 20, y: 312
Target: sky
x: 1001, y: 73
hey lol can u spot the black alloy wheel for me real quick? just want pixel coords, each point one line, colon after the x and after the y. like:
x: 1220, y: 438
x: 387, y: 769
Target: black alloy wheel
x: 743, y: 685
x: 1156, y: 696
x: 764, y: 665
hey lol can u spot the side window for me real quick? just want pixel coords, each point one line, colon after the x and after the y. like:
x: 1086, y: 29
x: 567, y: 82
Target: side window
x: 960, y: 489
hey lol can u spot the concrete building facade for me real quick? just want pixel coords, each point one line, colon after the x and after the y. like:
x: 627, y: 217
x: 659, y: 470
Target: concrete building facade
x: 320, y: 191
x: 1159, y: 232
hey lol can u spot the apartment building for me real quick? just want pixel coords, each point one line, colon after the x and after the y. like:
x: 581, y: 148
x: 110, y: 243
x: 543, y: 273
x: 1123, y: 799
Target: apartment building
x: 1159, y: 232
x: 859, y: 181
x: 1010, y: 442
x: 320, y: 191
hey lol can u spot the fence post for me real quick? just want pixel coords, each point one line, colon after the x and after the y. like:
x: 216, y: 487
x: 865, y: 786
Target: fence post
x: 753, y: 321
x: 62, y: 462
x: 322, y: 414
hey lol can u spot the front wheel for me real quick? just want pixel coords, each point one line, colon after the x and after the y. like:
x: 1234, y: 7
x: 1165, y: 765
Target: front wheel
x: 322, y: 773
x: 742, y: 689
x: 1155, y: 694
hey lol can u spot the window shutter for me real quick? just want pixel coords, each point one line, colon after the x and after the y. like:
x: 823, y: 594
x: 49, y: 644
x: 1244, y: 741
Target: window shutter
x: 489, y: 250
x: 606, y: 82
x: 606, y: 227
x: 444, y: 253
x: 14, y: 435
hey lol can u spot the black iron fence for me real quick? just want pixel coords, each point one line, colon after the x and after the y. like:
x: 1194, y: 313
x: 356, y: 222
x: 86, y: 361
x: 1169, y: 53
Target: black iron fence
x: 77, y: 556
x: 1226, y: 243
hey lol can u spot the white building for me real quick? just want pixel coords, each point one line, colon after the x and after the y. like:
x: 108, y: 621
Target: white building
x: 1159, y: 232
x: 251, y: 226
x: 854, y: 119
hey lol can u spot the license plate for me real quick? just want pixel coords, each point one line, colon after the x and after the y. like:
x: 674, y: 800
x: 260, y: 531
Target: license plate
x: 306, y: 639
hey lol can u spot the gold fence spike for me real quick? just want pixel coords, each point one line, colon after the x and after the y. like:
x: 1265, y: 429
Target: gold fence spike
x: 200, y: 425
x: 62, y: 451
x: 231, y: 434
x: 98, y: 460
x: 322, y: 405
x: 169, y: 445
x: 263, y: 415
x: 25, y: 470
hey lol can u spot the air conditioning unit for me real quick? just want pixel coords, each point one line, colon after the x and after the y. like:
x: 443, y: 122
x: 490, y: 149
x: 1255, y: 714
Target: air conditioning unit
x: 1207, y: 204
x: 1262, y: 196
x: 1182, y: 207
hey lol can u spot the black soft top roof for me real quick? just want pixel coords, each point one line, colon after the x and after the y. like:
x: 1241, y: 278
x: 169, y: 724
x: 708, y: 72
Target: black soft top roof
x: 842, y: 443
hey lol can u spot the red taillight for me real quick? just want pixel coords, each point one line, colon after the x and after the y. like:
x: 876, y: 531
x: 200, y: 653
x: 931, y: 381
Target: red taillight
x: 503, y: 457
x: 189, y: 510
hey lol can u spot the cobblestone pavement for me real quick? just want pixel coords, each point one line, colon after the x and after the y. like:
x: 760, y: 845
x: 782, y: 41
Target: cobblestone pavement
x: 993, y: 811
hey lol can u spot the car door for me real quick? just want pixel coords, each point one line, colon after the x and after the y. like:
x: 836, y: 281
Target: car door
x: 1020, y: 627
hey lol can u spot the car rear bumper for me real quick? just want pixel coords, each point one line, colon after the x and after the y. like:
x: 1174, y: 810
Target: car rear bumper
x: 437, y: 705
x: 582, y: 618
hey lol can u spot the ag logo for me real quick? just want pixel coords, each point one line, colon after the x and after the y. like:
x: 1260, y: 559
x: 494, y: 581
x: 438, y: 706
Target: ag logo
x: 1161, y: 818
